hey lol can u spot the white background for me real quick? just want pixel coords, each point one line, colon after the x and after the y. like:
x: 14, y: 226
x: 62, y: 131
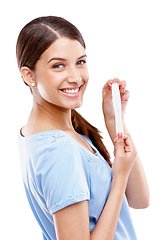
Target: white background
x: 125, y: 39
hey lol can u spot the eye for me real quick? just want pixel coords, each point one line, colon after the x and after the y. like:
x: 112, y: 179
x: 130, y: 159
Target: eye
x: 81, y: 62
x: 59, y: 66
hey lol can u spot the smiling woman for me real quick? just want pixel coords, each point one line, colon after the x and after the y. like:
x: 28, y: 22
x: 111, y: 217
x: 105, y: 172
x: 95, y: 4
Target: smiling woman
x: 53, y: 74
x: 66, y: 168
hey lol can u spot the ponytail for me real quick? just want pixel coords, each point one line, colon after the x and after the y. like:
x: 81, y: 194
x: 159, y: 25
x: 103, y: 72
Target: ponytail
x: 85, y: 128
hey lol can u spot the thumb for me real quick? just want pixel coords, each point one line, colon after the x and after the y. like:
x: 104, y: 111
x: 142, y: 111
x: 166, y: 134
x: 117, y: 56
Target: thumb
x: 119, y: 145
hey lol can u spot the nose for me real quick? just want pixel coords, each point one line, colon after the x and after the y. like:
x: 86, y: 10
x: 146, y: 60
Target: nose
x: 74, y: 75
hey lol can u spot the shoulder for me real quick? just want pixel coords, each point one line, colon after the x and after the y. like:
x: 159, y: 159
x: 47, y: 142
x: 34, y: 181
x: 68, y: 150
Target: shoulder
x: 59, y: 151
x: 62, y: 145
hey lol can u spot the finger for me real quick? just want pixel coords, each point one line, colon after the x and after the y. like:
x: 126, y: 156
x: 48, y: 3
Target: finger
x: 108, y: 86
x: 123, y: 86
x: 119, y: 145
x: 115, y: 80
x: 127, y: 140
x: 125, y: 96
x: 127, y: 149
x: 114, y: 141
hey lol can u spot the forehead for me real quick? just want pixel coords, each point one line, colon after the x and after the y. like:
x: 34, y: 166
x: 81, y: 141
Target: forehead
x: 64, y: 48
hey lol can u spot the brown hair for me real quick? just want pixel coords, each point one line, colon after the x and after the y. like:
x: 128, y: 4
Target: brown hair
x: 33, y: 40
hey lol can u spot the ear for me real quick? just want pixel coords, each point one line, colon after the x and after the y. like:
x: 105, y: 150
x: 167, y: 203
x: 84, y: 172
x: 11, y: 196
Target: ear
x: 28, y: 76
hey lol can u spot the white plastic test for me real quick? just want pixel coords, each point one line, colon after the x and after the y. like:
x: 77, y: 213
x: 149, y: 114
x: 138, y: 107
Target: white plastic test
x: 117, y: 108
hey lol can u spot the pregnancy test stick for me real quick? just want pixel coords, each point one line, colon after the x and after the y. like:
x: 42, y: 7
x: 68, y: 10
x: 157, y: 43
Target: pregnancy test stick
x: 117, y: 108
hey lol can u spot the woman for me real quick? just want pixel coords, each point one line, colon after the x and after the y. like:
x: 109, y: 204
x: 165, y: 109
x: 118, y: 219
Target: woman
x: 71, y: 185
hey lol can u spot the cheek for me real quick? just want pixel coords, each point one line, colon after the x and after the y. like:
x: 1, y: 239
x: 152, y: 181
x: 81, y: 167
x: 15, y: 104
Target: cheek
x: 48, y: 85
x: 50, y: 81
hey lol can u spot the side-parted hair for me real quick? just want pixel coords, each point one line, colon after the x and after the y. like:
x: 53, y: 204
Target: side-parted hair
x: 35, y: 38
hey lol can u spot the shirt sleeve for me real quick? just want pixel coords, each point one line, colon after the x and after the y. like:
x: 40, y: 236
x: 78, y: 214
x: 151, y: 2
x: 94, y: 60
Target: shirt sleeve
x: 62, y: 176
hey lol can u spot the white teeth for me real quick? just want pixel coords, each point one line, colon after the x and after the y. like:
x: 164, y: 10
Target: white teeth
x: 71, y: 91
x: 76, y: 90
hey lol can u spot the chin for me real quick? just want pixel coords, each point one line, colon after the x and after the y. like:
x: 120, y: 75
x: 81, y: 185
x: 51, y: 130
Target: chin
x: 74, y: 106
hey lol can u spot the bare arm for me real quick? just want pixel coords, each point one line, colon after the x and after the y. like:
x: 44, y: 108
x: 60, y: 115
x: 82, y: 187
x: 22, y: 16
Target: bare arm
x: 137, y: 190
x: 72, y: 222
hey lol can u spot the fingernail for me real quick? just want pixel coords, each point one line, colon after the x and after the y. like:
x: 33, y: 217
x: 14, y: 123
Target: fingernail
x: 120, y: 135
x: 109, y: 86
x: 116, y: 81
x: 114, y: 141
x: 122, y: 90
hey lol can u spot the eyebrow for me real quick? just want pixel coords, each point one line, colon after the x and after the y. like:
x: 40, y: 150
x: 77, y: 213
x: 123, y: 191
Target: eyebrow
x: 63, y: 59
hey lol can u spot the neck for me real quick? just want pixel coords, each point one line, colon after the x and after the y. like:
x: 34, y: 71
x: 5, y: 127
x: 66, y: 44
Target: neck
x: 47, y: 116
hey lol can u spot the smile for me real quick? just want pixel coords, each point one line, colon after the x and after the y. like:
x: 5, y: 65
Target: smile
x: 71, y: 91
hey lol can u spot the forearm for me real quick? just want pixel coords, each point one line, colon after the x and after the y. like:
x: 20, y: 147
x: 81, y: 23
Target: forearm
x: 106, y: 226
x: 137, y: 190
x: 110, y: 125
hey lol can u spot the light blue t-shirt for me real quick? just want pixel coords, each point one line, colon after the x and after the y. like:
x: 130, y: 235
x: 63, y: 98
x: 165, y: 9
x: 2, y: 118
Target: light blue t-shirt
x: 57, y: 172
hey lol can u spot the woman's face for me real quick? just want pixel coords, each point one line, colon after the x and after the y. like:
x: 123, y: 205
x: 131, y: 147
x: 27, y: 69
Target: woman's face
x: 61, y: 74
